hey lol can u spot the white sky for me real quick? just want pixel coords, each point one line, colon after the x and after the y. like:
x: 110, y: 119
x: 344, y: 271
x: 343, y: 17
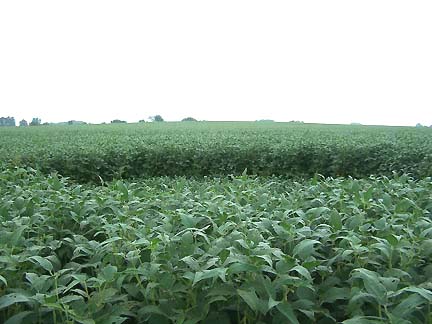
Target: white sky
x: 342, y: 61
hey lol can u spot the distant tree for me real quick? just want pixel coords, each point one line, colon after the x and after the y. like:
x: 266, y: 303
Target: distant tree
x: 142, y: 121
x: 265, y: 120
x: 23, y: 123
x: 156, y: 118
x: 296, y: 122
x: 189, y: 119
x: 36, y: 122
x: 7, y: 121
x: 45, y: 124
x: 419, y: 125
x: 73, y: 122
x: 118, y: 121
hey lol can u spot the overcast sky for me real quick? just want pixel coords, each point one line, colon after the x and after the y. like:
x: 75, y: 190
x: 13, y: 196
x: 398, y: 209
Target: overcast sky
x: 344, y: 61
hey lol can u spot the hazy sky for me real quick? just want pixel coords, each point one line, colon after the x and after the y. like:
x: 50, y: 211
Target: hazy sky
x: 343, y: 61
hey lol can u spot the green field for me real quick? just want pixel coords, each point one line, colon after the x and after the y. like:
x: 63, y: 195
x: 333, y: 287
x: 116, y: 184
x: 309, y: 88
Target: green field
x: 86, y: 153
x: 216, y: 223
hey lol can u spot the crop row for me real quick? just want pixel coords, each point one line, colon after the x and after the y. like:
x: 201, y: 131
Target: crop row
x: 104, y: 152
x: 244, y: 250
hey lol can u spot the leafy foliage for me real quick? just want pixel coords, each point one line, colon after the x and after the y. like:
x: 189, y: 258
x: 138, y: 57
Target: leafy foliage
x: 92, y: 152
x: 230, y: 250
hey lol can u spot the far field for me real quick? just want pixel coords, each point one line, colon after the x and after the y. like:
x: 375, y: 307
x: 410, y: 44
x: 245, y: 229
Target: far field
x: 215, y: 223
x: 86, y: 153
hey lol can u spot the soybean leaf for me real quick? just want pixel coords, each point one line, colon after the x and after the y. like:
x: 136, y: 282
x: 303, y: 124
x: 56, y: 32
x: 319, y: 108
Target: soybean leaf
x: 250, y: 297
x: 288, y: 312
x: 408, y: 305
x: 426, y: 294
x: 302, y: 271
x: 44, y: 263
x: 242, y: 267
x: 305, y: 248
x: 363, y: 320
x: 108, y: 272
x: 18, y: 318
x: 335, y: 220
x: 3, y: 279
x: 213, y: 273
x: 372, y: 284
x: 335, y: 293
x: 14, y: 298
x: 272, y: 303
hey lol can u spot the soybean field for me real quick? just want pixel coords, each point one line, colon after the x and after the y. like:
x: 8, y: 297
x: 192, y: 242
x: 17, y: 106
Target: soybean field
x: 88, y: 152
x: 215, y: 223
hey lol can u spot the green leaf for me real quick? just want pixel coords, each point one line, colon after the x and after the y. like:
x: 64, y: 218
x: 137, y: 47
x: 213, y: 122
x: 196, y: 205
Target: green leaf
x: 242, y: 267
x: 302, y: 271
x: 305, y: 248
x: 393, y: 240
x: 84, y: 321
x: 111, y: 240
x: 70, y: 298
x: 372, y: 284
x: 408, y: 305
x: 362, y: 320
x: 390, y: 283
x: 218, y: 317
x: 152, y: 309
x: 272, y: 303
x: 14, y: 298
x: 108, y: 272
x: 253, y: 301
x: 335, y: 293
x: 287, y: 311
x: 189, y: 221
x: 44, y: 263
x: 3, y: 279
x: 16, y: 236
x: 426, y: 294
x: 267, y: 259
x: 317, y: 211
x: 335, y: 220
x: 250, y: 298
x: 191, y: 262
x: 123, y: 189
x: 18, y: 318
x: 213, y: 273
x: 397, y: 320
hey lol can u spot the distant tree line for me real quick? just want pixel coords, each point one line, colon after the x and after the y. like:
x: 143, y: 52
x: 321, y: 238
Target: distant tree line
x: 189, y: 119
x: 156, y: 118
x: 7, y: 121
x: 10, y: 121
x: 36, y: 122
x: 420, y: 125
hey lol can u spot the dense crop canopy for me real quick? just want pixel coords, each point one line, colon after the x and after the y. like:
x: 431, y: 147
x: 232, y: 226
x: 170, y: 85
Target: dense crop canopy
x: 92, y: 152
x: 240, y: 250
